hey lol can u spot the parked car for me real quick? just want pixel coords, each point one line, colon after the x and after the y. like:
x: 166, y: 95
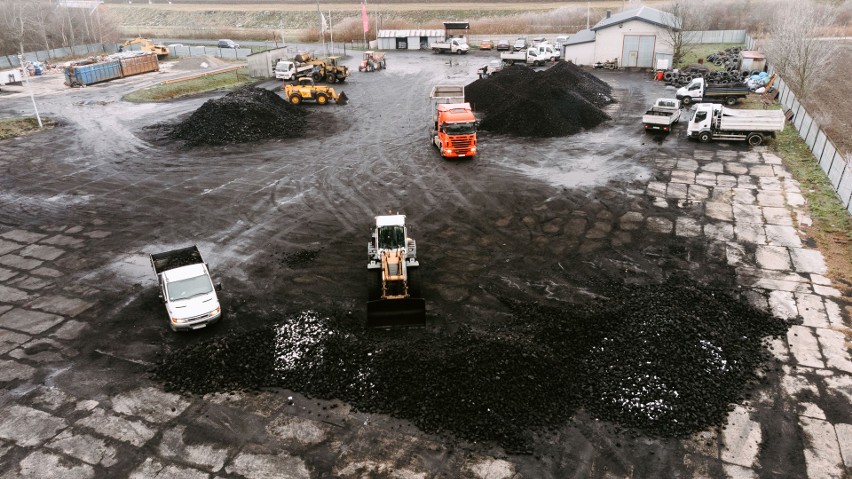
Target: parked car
x: 486, y: 45
x: 227, y: 44
x: 520, y: 44
x: 502, y: 45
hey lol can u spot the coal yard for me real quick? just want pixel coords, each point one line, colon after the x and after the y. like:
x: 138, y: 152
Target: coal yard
x: 562, y: 100
x: 597, y: 304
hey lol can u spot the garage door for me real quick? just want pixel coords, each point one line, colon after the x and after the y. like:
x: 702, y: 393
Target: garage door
x: 638, y: 51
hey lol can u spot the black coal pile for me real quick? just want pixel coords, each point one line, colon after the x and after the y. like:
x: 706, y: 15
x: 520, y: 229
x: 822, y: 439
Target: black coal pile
x: 665, y: 359
x: 559, y: 101
x: 246, y: 114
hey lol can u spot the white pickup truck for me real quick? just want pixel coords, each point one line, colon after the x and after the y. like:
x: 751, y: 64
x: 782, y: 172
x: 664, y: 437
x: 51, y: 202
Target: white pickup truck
x: 530, y: 56
x: 662, y: 115
x: 545, y: 49
x: 452, y: 45
x: 186, y: 289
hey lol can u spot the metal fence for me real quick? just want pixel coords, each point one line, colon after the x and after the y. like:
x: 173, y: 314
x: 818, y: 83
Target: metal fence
x: 82, y: 51
x: 833, y: 162
x: 715, y: 36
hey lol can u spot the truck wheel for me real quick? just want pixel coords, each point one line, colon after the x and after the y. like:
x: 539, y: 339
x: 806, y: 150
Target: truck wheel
x: 374, y: 284
x: 754, y: 139
x: 295, y: 98
x: 510, y: 62
x: 414, y: 283
x: 704, y: 137
x: 322, y: 99
x: 731, y: 100
x: 686, y: 100
x: 460, y: 52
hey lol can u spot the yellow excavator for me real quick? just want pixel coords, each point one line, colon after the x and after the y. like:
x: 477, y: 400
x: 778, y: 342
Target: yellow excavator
x: 146, y: 45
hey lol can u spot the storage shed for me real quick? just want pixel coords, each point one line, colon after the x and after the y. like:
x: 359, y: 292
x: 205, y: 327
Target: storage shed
x: 638, y: 37
x: 262, y: 64
x: 752, y: 60
x: 408, y: 39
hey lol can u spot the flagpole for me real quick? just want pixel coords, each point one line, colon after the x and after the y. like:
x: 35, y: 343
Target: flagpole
x: 322, y: 28
x: 331, y: 31
x: 366, y: 46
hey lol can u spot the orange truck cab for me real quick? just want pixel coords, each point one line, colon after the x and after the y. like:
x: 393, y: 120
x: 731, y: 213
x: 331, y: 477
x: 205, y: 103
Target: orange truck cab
x: 456, y: 133
x: 454, y: 127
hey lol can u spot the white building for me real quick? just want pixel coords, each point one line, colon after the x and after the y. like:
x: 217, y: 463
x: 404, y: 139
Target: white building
x: 408, y: 39
x: 637, y: 38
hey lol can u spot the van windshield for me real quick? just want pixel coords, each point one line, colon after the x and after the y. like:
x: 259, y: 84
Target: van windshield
x: 187, y: 288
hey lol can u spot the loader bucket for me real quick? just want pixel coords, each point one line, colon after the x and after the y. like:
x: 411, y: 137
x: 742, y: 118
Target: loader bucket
x: 389, y: 313
x: 342, y: 99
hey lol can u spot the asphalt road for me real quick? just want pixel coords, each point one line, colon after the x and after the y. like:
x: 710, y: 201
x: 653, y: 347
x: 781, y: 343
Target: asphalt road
x: 96, y: 195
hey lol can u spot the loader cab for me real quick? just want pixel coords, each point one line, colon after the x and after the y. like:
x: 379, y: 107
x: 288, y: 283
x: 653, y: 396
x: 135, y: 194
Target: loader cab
x: 391, y: 237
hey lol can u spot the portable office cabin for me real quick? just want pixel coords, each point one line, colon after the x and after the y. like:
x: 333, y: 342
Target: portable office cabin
x: 408, y: 39
x: 752, y: 60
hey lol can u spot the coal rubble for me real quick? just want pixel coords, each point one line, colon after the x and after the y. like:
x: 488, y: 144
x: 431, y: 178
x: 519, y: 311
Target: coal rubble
x: 246, y: 114
x: 664, y: 359
x: 559, y: 101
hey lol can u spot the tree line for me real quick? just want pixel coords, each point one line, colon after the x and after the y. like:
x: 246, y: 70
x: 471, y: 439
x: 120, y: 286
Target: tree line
x: 32, y: 25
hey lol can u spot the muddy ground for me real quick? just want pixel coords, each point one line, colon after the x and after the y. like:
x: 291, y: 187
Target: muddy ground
x: 283, y: 225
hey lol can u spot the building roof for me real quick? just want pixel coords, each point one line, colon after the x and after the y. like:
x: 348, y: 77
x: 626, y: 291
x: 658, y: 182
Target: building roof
x: 583, y: 36
x: 410, y: 33
x: 643, y: 14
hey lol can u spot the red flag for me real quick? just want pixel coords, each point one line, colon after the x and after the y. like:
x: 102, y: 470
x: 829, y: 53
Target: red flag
x: 364, y: 19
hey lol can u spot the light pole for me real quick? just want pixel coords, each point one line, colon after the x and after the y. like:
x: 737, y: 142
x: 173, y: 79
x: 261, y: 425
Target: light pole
x: 30, y: 90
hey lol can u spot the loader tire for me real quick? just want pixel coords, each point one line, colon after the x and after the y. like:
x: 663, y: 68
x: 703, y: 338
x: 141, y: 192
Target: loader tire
x: 374, y: 284
x: 317, y: 76
x: 322, y: 99
x: 330, y: 78
x: 414, y: 283
x: 295, y: 98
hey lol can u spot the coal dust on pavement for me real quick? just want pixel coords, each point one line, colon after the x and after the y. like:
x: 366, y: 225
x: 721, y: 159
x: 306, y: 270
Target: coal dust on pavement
x: 663, y: 359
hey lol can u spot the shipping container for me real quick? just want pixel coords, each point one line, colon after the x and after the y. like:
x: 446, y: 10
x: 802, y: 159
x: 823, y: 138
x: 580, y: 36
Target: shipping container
x: 82, y: 75
x: 139, y: 64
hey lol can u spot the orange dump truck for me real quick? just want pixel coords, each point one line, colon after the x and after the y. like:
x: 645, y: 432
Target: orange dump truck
x: 454, y: 126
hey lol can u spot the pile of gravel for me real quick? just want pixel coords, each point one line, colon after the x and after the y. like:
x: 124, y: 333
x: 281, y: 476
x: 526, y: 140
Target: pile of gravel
x: 559, y: 101
x: 666, y: 359
x: 246, y: 114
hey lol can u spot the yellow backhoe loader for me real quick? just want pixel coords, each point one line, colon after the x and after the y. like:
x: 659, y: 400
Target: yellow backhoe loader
x: 306, y: 90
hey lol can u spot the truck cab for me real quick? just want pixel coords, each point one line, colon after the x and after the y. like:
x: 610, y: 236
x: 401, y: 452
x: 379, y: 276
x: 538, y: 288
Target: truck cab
x: 287, y: 70
x: 456, y: 130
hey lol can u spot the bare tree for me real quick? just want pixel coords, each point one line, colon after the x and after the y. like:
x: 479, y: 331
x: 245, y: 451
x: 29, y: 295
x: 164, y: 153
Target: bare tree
x: 30, y: 25
x: 684, y: 16
x: 794, y: 47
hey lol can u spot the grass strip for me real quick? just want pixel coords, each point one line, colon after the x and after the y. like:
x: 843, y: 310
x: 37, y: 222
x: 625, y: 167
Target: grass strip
x: 203, y: 84
x: 15, y: 127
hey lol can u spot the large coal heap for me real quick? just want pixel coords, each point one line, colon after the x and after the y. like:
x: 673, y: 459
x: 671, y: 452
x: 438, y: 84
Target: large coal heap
x: 667, y: 359
x: 559, y: 101
x: 246, y: 114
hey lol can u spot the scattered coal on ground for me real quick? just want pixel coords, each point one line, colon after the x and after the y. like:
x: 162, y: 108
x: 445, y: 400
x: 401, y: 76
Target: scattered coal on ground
x: 663, y: 359
x: 246, y: 114
x: 559, y: 101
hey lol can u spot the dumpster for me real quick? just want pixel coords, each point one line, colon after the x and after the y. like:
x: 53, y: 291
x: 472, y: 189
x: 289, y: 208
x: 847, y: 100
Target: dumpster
x: 82, y: 75
x: 138, y: 64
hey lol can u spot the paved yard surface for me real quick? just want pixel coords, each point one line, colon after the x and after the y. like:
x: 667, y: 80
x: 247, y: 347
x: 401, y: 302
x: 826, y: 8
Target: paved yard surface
x: 82, y: 205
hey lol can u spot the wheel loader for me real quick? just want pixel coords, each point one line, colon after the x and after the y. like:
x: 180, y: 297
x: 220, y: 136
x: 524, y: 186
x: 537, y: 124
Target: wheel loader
x: 393, y: 276
x: 306, y: 90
